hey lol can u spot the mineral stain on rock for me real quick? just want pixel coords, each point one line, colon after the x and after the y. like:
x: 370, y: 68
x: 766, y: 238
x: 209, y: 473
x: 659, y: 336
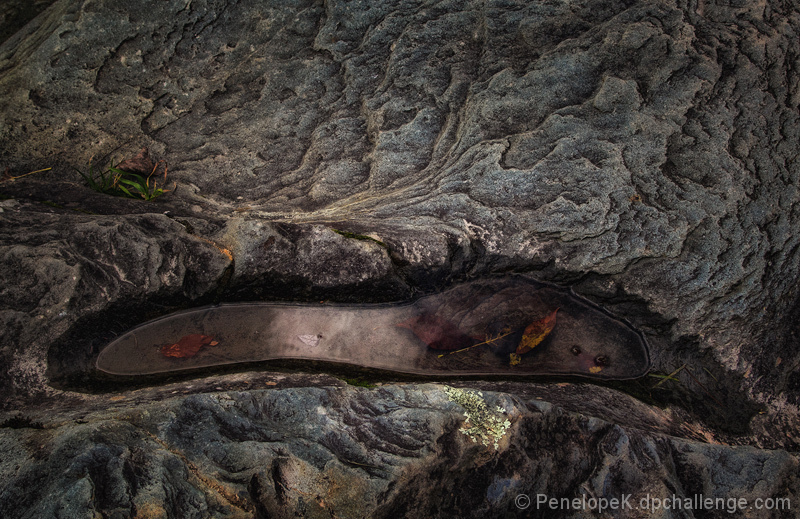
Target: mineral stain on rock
x: 477, y: 328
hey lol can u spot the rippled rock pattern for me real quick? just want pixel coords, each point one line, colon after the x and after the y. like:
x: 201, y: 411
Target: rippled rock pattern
x: 643, y: 153
x: 395, y: 451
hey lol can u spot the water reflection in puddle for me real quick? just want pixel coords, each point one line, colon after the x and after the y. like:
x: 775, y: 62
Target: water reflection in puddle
x: 483, y: 327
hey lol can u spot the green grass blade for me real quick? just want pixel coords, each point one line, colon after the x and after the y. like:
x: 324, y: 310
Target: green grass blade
x: 128, y: 193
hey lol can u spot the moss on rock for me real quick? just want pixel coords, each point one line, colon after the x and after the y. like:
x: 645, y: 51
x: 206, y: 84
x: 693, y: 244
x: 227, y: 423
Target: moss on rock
x: 482, y: 425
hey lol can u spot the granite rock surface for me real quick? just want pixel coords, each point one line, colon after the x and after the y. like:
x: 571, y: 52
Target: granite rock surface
x: 644, y: 153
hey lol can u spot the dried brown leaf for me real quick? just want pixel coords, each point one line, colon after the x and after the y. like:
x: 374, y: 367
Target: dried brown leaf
x: 187, y: 346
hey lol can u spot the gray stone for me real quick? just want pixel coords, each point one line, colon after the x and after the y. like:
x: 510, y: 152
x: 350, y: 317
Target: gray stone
x: 391, y: 451
x: 644, y: 153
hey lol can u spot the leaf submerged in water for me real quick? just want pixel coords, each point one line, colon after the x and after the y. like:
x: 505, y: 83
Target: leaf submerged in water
x: 187, y: 346
x: 309, y: 340
x: 533, y: 335
x: 436, y: 332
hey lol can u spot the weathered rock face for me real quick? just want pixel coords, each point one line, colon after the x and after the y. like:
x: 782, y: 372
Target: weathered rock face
x: 393, y: 451
x: 644, y: 153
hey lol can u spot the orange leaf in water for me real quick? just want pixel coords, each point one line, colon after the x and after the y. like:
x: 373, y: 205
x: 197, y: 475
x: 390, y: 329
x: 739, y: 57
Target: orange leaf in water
x: 533, y: 335
x: 188, y: 346
x: 436, y: 332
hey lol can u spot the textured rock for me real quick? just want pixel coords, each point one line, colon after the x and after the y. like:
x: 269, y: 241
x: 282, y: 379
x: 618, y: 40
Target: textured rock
x: 394, y: 451
x: 644, y: 153
x: 15, y: 14
x: 59, y: 268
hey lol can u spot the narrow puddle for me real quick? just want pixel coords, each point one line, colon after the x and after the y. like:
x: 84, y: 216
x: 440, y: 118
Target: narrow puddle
x: 508, y: 327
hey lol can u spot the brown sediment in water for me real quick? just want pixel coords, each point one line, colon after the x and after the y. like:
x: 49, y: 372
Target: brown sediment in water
x: 431, y: 336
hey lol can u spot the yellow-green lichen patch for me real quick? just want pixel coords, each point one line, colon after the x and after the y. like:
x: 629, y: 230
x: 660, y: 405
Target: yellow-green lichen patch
x: 482, y: 425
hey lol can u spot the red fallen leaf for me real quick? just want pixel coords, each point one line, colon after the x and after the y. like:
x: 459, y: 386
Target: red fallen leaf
x: 140, y: 163
x: 533, y: 335
x: 437, y: 333
x: 187, y: 346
